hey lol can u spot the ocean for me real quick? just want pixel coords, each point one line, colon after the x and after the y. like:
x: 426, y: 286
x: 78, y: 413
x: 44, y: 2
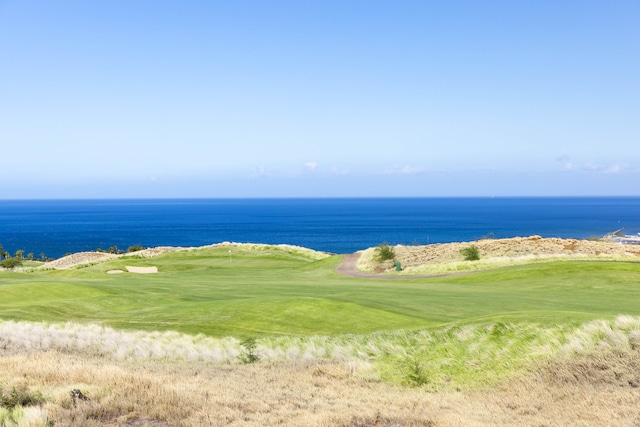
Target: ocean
x: 340, y: 225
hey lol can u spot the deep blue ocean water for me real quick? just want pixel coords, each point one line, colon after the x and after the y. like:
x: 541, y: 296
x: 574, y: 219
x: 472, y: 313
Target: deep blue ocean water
x: 56, y: 227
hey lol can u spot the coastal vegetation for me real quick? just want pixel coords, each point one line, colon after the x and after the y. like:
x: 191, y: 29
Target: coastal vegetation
x: 470, y: 253
x: 384, y: 252
x: 10, y: 263
x: 257, y: 320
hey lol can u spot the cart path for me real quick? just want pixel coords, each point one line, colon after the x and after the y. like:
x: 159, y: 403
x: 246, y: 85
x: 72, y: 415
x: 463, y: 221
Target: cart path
x: 348, y: 267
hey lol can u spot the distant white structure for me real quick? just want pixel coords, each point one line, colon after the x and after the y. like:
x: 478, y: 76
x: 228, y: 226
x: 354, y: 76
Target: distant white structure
x: 619, y: 236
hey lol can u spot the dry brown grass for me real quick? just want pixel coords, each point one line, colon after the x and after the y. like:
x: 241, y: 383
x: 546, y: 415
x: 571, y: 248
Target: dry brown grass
x: 596, y: 390
x: 446, y: 258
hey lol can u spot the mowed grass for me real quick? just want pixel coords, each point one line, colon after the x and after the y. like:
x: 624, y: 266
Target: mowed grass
x: 270, y: 291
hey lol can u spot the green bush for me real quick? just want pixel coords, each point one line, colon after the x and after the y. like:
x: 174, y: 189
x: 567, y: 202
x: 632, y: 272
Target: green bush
x: 249, y: 354
x: 470, y: 253
x: 20, y: 396
x: 10, y: 263
x: 135, y: 248
x: 414, y: 372
x: 384, y: 252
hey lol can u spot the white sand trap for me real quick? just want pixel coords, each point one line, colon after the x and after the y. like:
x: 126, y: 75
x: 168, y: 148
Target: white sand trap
x: 141, y: 270
x: 115, y: 271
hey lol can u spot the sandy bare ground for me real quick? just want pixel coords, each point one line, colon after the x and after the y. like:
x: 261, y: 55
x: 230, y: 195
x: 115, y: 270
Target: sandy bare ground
x: 81, y: 258
x: 439, y: 259
x: 516, y: 247
x: 78, y: 259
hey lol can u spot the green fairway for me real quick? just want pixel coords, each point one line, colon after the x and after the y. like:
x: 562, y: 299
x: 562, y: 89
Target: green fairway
x: 277, y: 292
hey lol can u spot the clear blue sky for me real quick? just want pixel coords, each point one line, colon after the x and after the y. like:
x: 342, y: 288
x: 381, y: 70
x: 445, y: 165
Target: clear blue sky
x: 319, y: 98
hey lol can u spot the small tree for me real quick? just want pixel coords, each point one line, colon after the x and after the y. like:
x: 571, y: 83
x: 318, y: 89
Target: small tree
x: 19, y: 254
x: 470, y: 253
x: 384, y: 252
x: 135, y: 248
x: 249, y: 354
x: 10, y: 263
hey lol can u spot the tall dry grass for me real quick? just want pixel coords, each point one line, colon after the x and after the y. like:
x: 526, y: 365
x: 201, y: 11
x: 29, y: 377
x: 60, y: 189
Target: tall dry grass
x: 560, y: 393
x: 454, y: 357
x: 586, y: 375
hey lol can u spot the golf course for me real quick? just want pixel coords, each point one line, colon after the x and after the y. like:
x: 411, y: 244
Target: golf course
x: 282, y: 319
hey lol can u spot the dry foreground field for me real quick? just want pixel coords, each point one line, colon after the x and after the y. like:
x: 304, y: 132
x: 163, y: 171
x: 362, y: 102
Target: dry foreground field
x: 598, y: 386
x: 599, y: 390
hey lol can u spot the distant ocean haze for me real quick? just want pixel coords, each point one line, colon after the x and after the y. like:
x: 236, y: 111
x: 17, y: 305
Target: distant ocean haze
x: 339, y: 225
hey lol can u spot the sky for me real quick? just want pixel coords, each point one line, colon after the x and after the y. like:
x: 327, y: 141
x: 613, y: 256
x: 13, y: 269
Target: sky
x: 270, y: 98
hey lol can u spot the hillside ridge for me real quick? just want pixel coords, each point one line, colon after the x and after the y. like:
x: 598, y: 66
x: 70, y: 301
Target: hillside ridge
x: 443, y: 258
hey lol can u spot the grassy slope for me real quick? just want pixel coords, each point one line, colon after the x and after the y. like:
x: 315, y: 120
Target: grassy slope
x: 275, y: 292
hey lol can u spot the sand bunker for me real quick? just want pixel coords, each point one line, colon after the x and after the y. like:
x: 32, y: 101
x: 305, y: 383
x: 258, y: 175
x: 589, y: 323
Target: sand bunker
x: 141, y: 270
x: 137, y: 270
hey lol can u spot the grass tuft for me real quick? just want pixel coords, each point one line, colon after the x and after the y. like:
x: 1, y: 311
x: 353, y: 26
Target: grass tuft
x: 20, y: 396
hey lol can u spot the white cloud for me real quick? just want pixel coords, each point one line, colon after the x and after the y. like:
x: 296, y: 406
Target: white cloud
x: 617, y: 168
x: 590, y: 166
x: 566, y: 161
x: 335, y: 171
x: 311, y: 166
x: 404, y: 170
x: 608, y: 169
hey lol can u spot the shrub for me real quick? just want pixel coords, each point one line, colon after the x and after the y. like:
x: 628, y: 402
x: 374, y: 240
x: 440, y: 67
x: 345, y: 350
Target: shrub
x: 20, y: 396
x: 414, y: 372
x: 384, y: 252
x: 470, y: 253
x: 10, y: 263
x: 135, y: 248
x: 249, y: 354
